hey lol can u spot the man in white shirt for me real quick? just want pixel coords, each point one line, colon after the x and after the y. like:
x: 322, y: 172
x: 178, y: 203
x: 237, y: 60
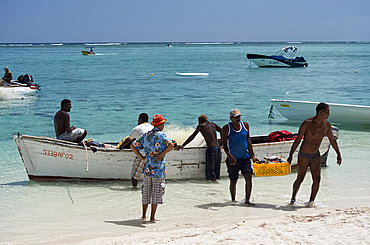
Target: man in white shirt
x: 142, y: 127
x: 138, y: 165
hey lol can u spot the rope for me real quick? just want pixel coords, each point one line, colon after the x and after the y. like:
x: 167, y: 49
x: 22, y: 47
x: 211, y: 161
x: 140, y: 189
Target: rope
x: 87, y: 160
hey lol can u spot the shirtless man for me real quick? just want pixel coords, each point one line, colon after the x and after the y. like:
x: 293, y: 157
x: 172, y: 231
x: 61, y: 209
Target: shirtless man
x: 313, y: 130
x: 63, y: 130
x: 213, y: 154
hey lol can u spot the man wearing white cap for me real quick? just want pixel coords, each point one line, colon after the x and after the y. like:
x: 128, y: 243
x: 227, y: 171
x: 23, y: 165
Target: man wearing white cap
x: 237, y: 145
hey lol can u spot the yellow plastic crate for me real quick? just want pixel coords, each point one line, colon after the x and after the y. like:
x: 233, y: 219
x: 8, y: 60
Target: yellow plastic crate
x: 271, y: 169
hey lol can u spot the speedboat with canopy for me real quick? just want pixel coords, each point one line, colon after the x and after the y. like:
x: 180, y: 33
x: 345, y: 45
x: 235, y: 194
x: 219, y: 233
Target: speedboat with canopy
x: 284, y: 58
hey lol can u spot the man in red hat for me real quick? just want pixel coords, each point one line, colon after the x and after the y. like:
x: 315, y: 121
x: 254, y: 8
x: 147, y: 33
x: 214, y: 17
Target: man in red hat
x: 155, y: 144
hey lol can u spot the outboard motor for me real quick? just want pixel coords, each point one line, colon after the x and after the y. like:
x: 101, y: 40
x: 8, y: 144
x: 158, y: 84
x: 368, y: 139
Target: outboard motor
x: 28, y: 80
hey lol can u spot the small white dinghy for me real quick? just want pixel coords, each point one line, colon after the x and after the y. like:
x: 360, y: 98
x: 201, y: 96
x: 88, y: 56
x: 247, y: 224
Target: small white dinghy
x: 192, y: 74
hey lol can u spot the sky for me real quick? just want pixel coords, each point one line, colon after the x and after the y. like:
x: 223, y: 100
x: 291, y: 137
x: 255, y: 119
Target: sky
x: 74, y: 21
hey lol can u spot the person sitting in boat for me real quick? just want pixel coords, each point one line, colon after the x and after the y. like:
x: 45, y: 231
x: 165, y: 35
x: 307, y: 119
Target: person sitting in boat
x: 63, y: 130
x: 7, y: 78
x: 91, y: 51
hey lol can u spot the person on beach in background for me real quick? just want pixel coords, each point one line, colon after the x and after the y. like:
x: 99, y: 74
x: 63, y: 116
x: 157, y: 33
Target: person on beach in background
x: 63, y: 130
x: 213, y: 153
x: 155, y: 144
x: 237, y: 145
x: 7, y: 78
x: 138, y: 165
x: 313, y: 131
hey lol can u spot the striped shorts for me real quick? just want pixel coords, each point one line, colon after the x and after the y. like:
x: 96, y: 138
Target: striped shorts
x: 152, y: 190
x: 137, y: 168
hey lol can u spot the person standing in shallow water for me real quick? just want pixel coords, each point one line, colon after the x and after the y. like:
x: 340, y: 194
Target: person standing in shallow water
x: 213, y: 153
x: 156, y: 145
x: 238, y: 148
x: 313, y: 130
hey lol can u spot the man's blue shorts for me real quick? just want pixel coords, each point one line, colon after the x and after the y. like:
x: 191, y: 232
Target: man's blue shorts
x: 243, y: 165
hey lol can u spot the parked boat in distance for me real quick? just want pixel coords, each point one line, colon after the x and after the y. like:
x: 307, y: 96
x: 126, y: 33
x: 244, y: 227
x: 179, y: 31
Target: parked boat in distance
x: 285, y: 58
x: 192, y: 74
x: 339, y: 113
x: 48, y: 159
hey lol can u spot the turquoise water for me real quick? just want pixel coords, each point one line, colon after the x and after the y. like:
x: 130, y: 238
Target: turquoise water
x: 109, y: 90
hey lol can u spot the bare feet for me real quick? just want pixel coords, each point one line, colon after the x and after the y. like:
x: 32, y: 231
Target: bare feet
x: 249, y: 203
x: 311, y: 204
x: 153, y: 220
x: 292, y: 201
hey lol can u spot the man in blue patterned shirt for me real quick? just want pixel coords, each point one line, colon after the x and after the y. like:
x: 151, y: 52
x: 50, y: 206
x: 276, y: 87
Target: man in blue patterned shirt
x: 155, y: 144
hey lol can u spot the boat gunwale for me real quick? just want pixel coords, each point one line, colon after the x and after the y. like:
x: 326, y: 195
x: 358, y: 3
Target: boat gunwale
x: 69, y: 144
x: 311, y: 102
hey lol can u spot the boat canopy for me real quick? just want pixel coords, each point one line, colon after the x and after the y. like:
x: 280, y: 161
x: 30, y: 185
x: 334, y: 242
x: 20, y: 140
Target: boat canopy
x: 284, y: 51
x: 293, y: 48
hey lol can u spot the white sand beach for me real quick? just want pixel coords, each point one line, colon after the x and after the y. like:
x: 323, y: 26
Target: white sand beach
x: 194, y: 212
x: 309, y: 226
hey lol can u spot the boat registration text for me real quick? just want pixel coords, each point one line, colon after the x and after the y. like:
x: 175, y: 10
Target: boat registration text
x: 57, y: 154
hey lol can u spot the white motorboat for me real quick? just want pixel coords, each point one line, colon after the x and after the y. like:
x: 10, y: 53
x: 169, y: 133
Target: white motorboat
x: 21, y: 88
x: 285, y: 58
x: 16, y: 92
x: 47, y: 159
x: 339, y: 113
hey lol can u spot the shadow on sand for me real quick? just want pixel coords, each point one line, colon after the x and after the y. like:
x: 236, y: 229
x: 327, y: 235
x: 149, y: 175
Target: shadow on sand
x: 134, y: 222
x: 286, y: 207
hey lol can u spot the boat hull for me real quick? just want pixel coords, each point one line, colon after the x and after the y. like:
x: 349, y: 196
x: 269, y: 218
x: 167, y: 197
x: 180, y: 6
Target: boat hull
x: 87, y: 53
x: 16, y: 92
x: 339, y: 113
x: 275, y: 61
x: 48, y: 159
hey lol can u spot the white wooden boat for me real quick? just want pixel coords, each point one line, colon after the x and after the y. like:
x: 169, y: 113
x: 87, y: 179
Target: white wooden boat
x: 47, y: 159
x: 339, y: 113
x: 16, y: 92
